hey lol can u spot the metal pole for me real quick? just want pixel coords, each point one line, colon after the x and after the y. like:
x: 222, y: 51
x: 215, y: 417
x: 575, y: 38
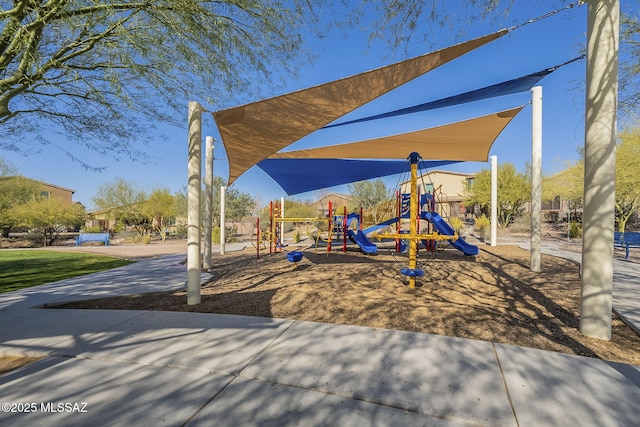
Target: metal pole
x: 258, y: 238
x: 417, y: 218
x: 270, y: 226
x: 223, y: 219
x: 277, y: 229
x: 208, y: 203
x: 193, y: 203
x: 536, y: 177
x: 282, y: 223
x: 344, y: 230
x: 413, y: 213
x: 494, y: 200
x: 330, y: 238
x: 399, y: 215
x: 603, y: 22
x: 568, y: 224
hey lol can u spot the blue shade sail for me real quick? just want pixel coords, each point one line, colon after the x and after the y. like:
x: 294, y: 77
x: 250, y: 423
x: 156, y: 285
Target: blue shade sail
x: 520, y: 84
x: 297, y: 176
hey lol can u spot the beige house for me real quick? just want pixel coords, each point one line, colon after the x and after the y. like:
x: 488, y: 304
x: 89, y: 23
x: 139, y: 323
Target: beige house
x: 104, y: 220
x: 449, y: 189
x: 554, y: 206
x: 50, y: 190
x: 337, y: 200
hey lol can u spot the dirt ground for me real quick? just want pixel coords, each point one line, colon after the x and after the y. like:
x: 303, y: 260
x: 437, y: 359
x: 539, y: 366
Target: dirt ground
x: 9, y: 363
x: 491, y: 297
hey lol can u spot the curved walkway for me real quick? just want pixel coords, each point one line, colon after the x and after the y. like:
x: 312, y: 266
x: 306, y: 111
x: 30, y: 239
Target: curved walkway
x: 626, y: 289
x: 163, y: 368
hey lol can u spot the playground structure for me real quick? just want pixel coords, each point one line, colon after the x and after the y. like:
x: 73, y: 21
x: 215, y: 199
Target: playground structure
x: 338, y: 224
x: 440, y: 232
x: 335, y: 224
x: 248, y: 134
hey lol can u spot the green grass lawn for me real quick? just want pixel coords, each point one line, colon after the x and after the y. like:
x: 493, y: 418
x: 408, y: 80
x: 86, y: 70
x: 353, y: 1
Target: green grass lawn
x: 23, y: 269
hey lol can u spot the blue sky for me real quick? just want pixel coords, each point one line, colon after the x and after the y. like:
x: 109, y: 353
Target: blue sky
x: 530, y: 48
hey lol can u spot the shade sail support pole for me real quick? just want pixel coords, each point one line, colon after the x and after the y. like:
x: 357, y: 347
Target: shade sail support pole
x: 494, y: 201
x: 223, y: 219
x: 208, y: 203
x: 603, y: 22
x: 194, y: 187
x: 536, y: 177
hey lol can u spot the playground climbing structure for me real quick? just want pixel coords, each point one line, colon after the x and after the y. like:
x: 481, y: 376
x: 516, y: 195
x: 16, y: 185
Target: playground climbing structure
x: 414, y: 236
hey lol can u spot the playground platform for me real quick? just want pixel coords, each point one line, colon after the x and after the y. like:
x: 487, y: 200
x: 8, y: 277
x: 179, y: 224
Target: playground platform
x: 163, y: 368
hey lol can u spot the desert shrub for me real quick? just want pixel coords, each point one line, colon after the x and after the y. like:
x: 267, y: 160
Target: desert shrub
x: 457, y: 224
x: 296, y: 235
x: 482, y: 224
x: 146, y: 239
x: 575, y: 231
x: 181, y: 231
x: 35, y: 238
x: 215, y: 234
x: 95, y: 229
x: 230, y: 235
x: 118, y: 227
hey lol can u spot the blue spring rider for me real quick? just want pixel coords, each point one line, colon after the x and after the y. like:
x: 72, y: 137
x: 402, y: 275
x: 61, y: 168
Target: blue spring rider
x: 294, y: 257
x: 412, y: 272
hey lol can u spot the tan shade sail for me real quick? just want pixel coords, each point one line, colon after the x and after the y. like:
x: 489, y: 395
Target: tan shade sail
x: 254, y: 131
x: 469, y: 140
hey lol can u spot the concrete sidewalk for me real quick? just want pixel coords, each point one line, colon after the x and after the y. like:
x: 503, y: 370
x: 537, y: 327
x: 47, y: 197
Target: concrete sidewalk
x: 164, y: 368
x: 626, y: 280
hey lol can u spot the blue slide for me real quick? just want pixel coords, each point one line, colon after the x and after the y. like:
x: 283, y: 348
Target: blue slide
x: 444, y: 228
x: 377, y: 227
x: 361, y: 240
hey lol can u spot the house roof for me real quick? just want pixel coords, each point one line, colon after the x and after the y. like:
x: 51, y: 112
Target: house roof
x: 334, y: 195
x: 451, y: 172
x: 442, y: 172
x: 40, y: 182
